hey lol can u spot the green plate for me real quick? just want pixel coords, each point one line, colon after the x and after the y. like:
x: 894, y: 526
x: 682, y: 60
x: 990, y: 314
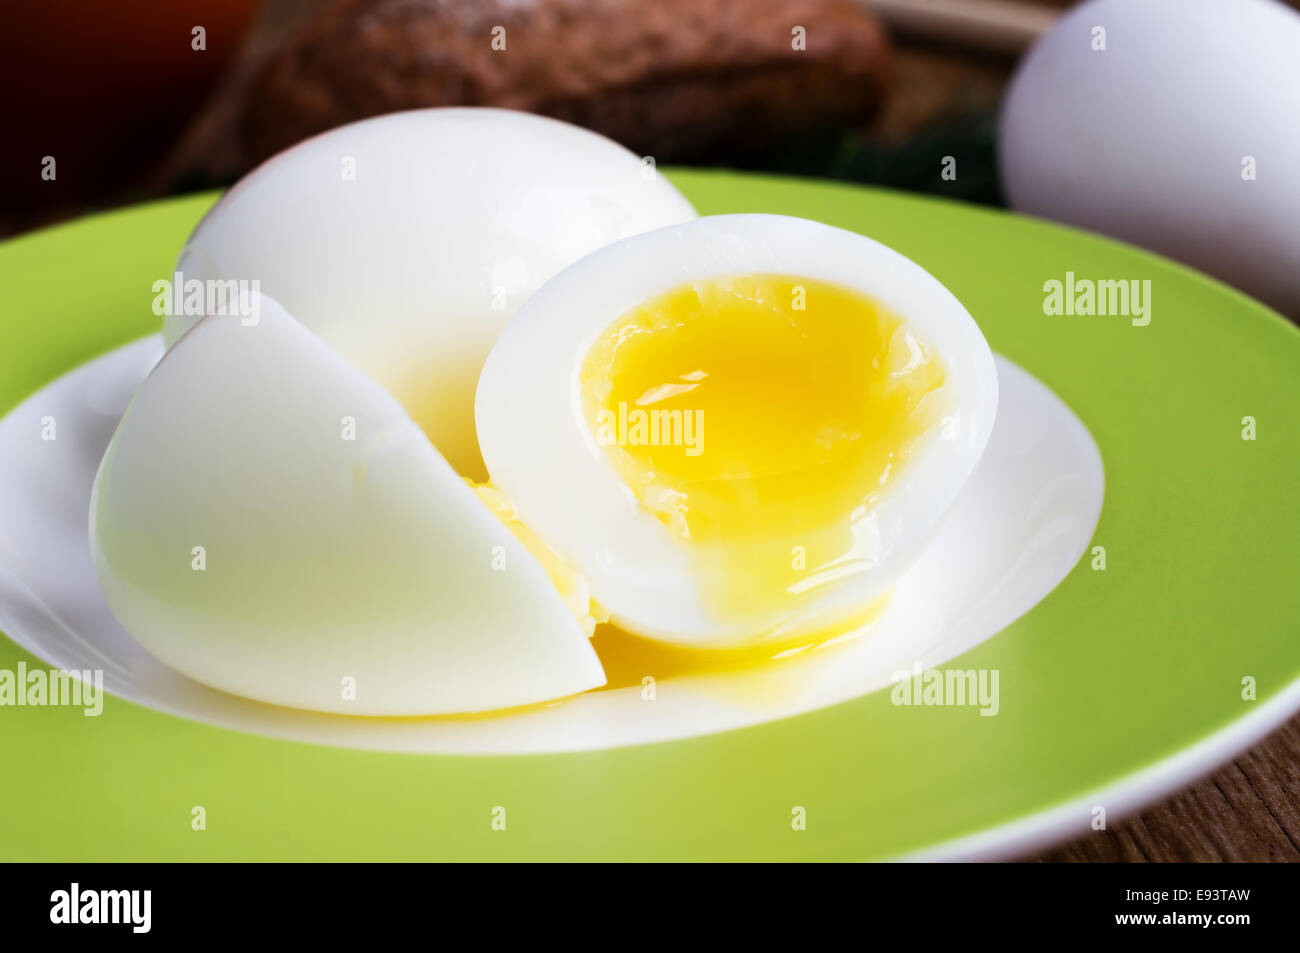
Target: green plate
x: 1120, y: 685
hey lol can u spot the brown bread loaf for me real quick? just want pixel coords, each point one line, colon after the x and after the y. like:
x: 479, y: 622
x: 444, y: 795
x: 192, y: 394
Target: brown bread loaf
x: 680, y: 80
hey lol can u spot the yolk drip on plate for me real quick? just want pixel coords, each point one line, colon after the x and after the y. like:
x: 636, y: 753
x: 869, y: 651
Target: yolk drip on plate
x: 760, y: 418
x: 629, y: 659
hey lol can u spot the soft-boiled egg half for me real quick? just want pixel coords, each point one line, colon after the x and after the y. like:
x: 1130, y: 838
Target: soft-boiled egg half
x: 724, y: 433
x: 738, y: 430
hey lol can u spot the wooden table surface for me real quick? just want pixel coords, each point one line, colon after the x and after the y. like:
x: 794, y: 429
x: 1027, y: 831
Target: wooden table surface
x: 1249, y: 810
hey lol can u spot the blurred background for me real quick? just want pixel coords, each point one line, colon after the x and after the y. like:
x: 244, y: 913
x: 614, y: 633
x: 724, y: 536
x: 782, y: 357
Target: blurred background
x: 119, y: 103
x: 133, y: 105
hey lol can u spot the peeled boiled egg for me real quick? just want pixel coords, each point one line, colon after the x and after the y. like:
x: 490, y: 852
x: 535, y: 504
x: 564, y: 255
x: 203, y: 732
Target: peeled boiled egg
x: 271, y: 522
x: 738, y: 429
x: 728, y: 432
x: 406, y: 242
x: 1170, y: 124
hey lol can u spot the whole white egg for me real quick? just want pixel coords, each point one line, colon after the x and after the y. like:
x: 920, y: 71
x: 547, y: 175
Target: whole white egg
x: 407, y: 241
x: 1172, y: 124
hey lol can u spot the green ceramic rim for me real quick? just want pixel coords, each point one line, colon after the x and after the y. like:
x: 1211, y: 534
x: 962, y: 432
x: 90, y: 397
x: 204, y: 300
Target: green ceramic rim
x: 1110, y: 677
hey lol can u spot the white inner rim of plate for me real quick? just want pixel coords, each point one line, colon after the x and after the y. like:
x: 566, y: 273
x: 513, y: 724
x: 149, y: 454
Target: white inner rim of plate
x: 1017, y: 530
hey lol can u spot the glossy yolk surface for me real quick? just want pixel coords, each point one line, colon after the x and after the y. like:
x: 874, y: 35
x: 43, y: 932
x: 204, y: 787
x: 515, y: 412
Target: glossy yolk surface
x: 760, y: 417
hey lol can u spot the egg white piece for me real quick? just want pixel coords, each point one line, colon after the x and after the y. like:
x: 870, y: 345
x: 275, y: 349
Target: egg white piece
x: 1171, y: 124
x: 270, y: 522
x: 407, y: 241
x: 542, y: 454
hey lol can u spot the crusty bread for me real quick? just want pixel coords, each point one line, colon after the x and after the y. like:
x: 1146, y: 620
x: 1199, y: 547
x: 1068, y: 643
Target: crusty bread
x: 679, y: 80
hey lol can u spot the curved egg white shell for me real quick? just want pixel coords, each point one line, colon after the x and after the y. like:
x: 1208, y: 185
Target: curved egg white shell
x: 323, y: 558
x: 1146, y: 139
x: 542, y: 454
x: 411, y: 267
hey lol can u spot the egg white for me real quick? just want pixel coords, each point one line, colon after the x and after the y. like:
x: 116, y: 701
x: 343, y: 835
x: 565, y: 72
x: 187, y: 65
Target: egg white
x: 242, y: 538
x: 541, y: 452
x: 407, y: 241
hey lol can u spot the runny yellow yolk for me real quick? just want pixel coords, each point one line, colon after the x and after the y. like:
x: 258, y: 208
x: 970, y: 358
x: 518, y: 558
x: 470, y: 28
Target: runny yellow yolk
x: 760, y: 417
